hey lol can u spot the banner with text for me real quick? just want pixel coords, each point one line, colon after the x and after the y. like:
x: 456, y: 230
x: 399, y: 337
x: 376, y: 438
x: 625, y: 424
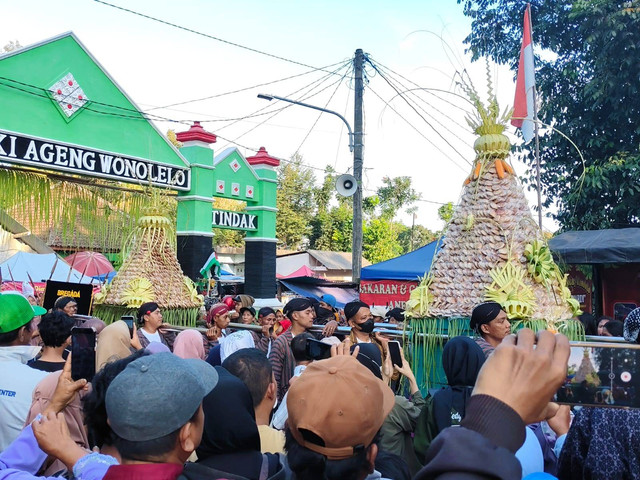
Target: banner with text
x: 386, y: 293
x: 235, y: 220
x: 38, y: 152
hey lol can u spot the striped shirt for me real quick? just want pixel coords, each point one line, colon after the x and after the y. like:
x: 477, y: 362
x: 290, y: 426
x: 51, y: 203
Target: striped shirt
x: 486, y: 347
x: 282, y: 362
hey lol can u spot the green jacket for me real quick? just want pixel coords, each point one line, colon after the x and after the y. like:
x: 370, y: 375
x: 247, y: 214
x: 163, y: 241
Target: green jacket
x: 398, y: 427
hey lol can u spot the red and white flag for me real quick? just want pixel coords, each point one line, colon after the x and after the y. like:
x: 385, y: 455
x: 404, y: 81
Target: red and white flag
x: 523, y: 114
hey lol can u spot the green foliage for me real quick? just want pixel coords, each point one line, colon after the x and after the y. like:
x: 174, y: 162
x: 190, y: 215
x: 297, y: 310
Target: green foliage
x: 588, y: 83
x: 394, y: 194
x: 445, y: 212
x: 380, y: 240
x: 295, y: 203
x: 411, y: 239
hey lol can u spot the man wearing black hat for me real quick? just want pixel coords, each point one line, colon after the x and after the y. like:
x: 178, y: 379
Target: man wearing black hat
x: 490, y: 322
x: 264, y: 339
x: 301, y: 313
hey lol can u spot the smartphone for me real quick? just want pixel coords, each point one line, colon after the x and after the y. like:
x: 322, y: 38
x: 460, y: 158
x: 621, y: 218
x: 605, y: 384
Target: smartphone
x: 128, y: 319
x: 316, y: 350
x: 394, y: 351
x: 83, y: 353
x: 602, y: 375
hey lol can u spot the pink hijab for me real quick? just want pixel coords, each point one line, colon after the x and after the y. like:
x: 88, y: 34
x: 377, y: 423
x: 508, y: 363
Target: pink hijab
x: 189, y: 344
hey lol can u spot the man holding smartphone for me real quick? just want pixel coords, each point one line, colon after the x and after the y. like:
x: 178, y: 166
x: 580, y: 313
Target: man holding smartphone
x: 17, y: 380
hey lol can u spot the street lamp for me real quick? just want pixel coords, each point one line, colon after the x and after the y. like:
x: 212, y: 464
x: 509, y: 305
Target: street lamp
x: 295, y: 102
x: 356, y: 146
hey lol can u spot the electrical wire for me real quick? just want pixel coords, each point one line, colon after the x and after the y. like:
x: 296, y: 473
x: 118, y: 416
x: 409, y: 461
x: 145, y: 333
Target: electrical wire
x: 308, y: 95
x: 309, y: 86
x: 320, y: 114
x: 418, y: 131
x: 422, y: 116
x: 217, y: 95
x: 206, y: 35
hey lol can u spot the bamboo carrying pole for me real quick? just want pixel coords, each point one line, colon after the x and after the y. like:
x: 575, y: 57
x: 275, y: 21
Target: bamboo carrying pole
x: 386, y: 329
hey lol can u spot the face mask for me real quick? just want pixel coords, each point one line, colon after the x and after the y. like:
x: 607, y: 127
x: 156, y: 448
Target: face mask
x: 367, y: 327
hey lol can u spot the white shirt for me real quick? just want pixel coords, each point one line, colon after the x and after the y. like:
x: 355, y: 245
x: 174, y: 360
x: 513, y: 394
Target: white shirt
x: 282, y: 414
x: 152, y: 337
x: 17, y: 381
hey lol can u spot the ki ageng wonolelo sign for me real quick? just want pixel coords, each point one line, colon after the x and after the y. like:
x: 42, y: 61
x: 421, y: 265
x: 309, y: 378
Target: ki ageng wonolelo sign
x: 43, y: 153
x: 234, y: 220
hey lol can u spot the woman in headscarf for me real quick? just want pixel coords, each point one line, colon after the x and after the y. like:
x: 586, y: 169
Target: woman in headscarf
x: 189, y: 344
x: 42, y: 395
x: 114, y: 343
x: 230, y: 440
x: 462, y: 359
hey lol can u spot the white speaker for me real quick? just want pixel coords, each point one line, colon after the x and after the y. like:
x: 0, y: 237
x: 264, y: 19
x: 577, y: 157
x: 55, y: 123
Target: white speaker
x: 346, y: 185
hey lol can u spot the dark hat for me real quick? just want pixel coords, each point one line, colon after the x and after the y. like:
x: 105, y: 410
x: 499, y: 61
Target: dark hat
x: 632, y: 326
x: 370, y: 356
x: 484, y: 313
x: 137, y: 399
x: 266, y: 311
x: 296, y: 305
x: 251, y: 310
x: 351, y: 308
x: 396, y: 313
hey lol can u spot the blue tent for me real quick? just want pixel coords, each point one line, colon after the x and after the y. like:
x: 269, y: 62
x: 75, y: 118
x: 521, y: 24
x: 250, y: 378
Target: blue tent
x: 405, y: 267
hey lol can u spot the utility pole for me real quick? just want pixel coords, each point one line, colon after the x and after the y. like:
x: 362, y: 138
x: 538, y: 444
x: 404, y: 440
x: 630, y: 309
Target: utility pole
x: 358, y: 156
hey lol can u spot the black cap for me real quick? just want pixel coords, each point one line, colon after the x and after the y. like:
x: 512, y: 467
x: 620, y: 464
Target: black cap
x: 265, y: 311
x: 248, y: 309
x: 296, y: 305
x: 484, y: 313
x: 396, y: 313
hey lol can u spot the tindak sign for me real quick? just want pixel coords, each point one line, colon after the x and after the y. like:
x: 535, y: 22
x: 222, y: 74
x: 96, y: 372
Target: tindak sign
x: 234, y: 220
x: 33, y: 151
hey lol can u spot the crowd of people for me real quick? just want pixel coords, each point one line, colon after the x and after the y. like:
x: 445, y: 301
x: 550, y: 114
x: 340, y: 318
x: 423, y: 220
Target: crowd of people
x: 283, y: 401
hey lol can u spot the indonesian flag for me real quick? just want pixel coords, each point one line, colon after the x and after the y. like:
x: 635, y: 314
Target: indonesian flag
x: 525, y: 84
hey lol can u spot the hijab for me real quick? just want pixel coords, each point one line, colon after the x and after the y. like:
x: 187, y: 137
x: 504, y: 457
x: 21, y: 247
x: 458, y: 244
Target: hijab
x: 230, y: 439
x: 42, y: 395
x: 188, y: 344
x: 462, y: 359
x: 234, y: 342
x: 114, y: 343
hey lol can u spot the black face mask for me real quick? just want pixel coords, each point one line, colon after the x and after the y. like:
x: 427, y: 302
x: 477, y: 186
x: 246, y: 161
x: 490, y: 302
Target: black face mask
x: 367, y: 327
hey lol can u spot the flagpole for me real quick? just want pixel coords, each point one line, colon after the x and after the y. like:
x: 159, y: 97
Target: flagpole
x: 535, y: 130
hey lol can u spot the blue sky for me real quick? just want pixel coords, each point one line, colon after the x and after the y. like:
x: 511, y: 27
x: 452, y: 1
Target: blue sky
x: 160, y: 65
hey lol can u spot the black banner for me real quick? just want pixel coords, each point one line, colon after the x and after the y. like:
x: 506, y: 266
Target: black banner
x: 33, y: 151
x: 234, y: 220
x: 82, y: 293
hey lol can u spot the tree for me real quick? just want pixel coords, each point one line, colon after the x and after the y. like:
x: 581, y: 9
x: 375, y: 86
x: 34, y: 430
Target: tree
x: 380, y: 240
x: 588, y: 84
x: 295, y: 203
x: 395, y: 194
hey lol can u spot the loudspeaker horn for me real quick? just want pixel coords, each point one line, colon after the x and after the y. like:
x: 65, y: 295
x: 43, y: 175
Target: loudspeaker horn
x: 346, y: 185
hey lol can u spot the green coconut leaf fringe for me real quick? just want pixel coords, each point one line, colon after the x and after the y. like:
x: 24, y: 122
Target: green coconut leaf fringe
x: 183, y: 317
x: 425, y: 338
x: 84, y: 214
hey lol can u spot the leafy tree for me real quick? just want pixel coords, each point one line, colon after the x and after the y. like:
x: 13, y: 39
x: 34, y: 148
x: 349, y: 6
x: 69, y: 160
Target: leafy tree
x: 421, y: 236
x: 295, y: 203
x: 395, y: 194
x: 588, y: 84
x: 380, y: 240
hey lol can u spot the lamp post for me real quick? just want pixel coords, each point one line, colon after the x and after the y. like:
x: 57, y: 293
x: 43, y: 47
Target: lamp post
x: 295, y: 102
x: 356, y: 148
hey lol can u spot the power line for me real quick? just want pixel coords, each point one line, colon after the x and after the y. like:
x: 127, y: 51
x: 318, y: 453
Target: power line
x: 317, y: 83
x: 206, y: 35
x: 320, y: 114
x: 280, y: 110
x: 418, y: 130
x: 246, y: 88
x: 420, y: 115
